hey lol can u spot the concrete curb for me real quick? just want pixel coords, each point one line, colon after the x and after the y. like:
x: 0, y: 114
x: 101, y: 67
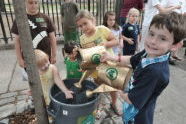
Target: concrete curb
x: 7, y: 46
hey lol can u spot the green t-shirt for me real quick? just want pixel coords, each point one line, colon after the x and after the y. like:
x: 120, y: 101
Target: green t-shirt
x: 72, y: 68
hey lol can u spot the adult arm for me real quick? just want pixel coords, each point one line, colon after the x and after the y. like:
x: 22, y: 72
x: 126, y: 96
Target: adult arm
x: 162, y: 9
x: 18, y: 50
x: 53, y: 47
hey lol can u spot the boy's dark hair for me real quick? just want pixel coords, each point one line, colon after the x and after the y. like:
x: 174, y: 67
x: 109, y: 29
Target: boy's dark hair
x: 105, y: 19
x: 173, y: 22
x: 68, y: 47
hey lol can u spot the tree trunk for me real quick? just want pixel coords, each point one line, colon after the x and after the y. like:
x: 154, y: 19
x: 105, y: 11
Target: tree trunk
x: 26, y: 45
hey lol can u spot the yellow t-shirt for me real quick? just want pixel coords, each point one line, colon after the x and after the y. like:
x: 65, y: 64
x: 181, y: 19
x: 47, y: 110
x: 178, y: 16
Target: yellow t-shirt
x: 101, y: 35
x: 46, y: 82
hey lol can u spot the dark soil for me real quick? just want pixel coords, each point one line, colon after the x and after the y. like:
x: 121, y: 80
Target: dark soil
x: 26, y: 117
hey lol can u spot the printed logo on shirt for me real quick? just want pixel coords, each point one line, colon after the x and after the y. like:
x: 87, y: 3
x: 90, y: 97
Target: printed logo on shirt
x: 130, y: 28
x: 40, y: 20
x: 31, y: 24
x: 98, y: 41
x: 112, y: 73
x: 96, y: 58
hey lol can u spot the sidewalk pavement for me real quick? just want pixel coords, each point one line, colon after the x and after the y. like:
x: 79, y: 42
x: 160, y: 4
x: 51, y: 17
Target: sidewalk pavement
x: 170, y: 106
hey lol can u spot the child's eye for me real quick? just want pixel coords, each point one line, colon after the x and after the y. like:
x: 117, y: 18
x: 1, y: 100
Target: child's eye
x: 79, y: 26
x: 163, y: 39
x: 85, y: 23
x: 151, y: 34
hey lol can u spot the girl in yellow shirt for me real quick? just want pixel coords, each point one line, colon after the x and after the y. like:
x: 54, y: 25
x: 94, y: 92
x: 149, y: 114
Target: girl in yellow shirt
x: 93, y: 36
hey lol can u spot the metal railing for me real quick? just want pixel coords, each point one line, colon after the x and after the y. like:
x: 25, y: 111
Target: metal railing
x: 52, y: 9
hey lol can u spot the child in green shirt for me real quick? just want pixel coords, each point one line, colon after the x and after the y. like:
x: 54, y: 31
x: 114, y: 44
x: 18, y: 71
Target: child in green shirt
x: 72, y: 65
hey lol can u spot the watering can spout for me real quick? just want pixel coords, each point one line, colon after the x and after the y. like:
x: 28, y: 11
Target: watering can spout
x: 103, y: 88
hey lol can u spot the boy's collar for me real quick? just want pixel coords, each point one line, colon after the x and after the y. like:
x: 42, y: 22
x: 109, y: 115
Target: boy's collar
x: 147, y: 61
x: 131, y: 23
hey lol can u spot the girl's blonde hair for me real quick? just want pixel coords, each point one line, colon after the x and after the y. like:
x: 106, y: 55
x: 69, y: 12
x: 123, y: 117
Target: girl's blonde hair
x: 133, y: 10
x: 84, y: 14
x: 41, y: 57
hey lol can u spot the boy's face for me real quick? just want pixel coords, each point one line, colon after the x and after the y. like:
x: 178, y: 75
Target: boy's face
x: 133, y: 17
x: 32, y: 6
x: 86, y: 25
x: 158, y: 41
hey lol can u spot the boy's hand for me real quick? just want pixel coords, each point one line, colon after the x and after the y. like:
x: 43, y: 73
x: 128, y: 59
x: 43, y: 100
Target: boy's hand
x: 130, y: 41
x: 106, y: 57
x: 68, y: 94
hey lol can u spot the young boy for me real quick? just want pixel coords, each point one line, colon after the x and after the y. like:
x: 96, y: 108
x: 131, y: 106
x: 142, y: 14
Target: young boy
x: 42, y: 31
x: 151, y: 68
x: 131, y: 32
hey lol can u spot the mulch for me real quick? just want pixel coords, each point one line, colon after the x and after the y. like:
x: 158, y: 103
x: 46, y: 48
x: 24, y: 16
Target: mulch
x: 26, y: 117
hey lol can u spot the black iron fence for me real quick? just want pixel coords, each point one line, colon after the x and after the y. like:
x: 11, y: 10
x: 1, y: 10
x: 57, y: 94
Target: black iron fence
x: 52, y: 9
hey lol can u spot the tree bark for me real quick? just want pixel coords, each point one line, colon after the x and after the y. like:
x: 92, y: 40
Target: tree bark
x: 29, y: 57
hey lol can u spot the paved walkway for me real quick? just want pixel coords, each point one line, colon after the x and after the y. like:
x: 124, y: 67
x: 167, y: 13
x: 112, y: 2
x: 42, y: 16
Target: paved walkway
x: 170, y: 106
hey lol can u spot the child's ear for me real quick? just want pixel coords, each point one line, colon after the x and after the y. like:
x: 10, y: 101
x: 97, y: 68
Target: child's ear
x: 176, y: 46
